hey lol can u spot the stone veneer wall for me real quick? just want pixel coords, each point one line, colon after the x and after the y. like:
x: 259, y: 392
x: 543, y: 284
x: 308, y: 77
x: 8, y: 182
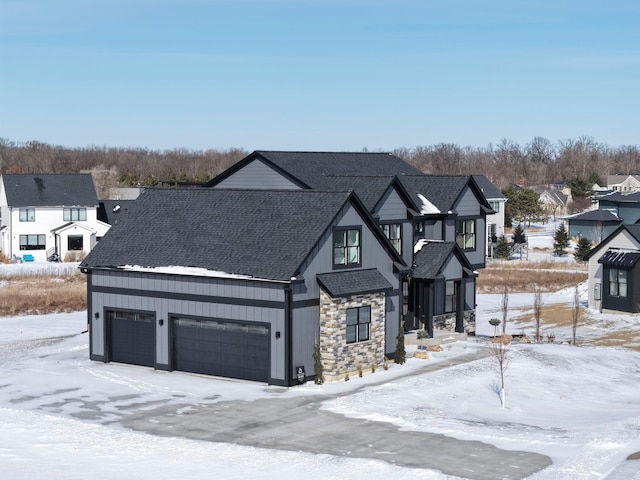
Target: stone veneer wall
x: 447, y: 322
x: 338, y: 357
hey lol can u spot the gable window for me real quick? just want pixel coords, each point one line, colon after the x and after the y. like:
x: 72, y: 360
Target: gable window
x: 32, y: 242
x: 450, y: 297
x: 346, y: 247
x: 358, y: 324
x: 393, y: 231
x: 466, y: 234
x: 494, y: 205
x: 27, y: 214
x: 617, y: 282
x: 74, y: 214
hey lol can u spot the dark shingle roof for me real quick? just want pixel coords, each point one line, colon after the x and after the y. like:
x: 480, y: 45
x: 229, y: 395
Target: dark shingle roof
x: 441, y: 190
x: 49, y: 190
x: 264, y: 234
x: 110, y: 211
x: 599, y: 215
x: 619, y: 258
x: 617, y: 197
x: 489, y: 190
x: 350, y: 282
x: 429, y: 261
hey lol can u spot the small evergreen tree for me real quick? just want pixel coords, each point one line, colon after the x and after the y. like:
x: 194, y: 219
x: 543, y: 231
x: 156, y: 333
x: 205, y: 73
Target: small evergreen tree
x: 400, y: 356
x: 561, y: 241
x: 317, y: 364
x: 502, y: 250
x: 583, y: 247
x: 518, y: 234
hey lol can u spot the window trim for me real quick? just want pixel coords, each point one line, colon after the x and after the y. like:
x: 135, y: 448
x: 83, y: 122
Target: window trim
x: 617, y: 283
x: 345, y: 248
x: 450, y: 299
x: 27, y: 214
x: 38, y: 245
x: 356, y: 327
x: 68, y: 214
x: 463, y: 236
x: 395, y: 242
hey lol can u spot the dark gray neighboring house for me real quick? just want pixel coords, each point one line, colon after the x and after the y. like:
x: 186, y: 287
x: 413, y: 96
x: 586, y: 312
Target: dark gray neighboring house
x: 625, y: 206
x: 594, y: 225
x: 244, y: 283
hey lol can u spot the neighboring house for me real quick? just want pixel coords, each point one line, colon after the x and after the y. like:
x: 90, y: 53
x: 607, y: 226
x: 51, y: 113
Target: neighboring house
x: 556, y: 200
x: 594, y: 225
x: 614, y: 272
x: 623, y: 183
x: 408, y: 205
x: 497, y: 200
x: 244, y: 283
x: 48, y: 215
x: 625, y: 206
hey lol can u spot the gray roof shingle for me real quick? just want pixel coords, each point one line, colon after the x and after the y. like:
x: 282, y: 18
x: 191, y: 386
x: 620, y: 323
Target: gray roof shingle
x: 264, y: 234
x: 49, y: 190
x: 489, y: 190
x: 350, y: 282
x: 441, y: 190
x: 429, y: 261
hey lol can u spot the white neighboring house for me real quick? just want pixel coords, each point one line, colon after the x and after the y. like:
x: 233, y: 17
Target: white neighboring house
x: 623, y: 183
x: 46, y: 214
x: 497, y: 200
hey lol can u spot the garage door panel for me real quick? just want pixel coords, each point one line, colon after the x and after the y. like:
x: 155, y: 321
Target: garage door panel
x: 131, y: 338
x: 215, y: 347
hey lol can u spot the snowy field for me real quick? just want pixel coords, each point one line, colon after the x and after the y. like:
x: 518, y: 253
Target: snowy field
x: 60, y: 414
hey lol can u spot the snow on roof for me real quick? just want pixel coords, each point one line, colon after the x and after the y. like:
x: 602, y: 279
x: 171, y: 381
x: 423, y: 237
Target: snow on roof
x: 193, y: 271
x: 427, y: 206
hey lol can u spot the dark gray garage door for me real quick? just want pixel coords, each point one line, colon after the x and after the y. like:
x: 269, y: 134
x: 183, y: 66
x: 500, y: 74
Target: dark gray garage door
x: 225, y: 349
x: 131, y: 337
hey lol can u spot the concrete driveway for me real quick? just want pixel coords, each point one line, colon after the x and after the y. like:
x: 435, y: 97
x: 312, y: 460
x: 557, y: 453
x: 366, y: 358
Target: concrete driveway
x: 299, y: 424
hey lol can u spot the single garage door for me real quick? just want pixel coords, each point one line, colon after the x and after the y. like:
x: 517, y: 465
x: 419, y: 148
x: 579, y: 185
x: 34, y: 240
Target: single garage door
x: 131, y: 337
x: 221, y: 348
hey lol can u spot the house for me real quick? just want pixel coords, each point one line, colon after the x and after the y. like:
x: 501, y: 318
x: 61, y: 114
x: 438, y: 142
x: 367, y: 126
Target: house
x: 408, y: 205
x: 623, y: 183
x: 625, y: 206
x: 556, y: 200
x: 594, y: 225
x: 497, y: 200
x: 614, y: 272
x: 244, y: 284
x: 48, y: 215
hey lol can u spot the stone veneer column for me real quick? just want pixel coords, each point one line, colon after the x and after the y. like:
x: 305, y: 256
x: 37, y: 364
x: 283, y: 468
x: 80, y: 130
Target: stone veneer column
x: 338, y: 357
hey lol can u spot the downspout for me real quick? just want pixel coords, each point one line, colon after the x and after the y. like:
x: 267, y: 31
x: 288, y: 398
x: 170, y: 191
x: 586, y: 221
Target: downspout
x: 288, y: 346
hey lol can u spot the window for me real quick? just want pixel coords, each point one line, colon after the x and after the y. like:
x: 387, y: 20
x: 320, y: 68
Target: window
x: 466, y: 234
x: 74, y: 214
x: 346, y: 247
x: 495, y: 206
x: 74, y: 242
x: 27, y: 214
x: 393, y: 232
x: 450, y: 297
x: 32, y: 242
x: 358, y: 323
x: 617, y: 282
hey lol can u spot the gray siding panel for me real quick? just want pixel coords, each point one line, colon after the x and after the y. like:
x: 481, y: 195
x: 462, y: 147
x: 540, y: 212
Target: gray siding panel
x: 392, y: 207
x: 468, y: 204
x: 257, y: 175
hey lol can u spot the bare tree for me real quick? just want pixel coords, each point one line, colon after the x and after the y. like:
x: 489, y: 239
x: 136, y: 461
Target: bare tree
x: 537, y: 310
x: 501, y: 356
x: 505, y: 308
x: 575, y: 313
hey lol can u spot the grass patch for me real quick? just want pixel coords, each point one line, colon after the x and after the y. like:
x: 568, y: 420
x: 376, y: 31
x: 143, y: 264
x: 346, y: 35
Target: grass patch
x: 522, y: 277
x: 40, y: 294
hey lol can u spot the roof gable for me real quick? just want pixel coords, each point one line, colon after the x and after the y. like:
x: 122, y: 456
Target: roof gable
x: 263, y: 234
x: 432, y: 257
x: 442, y: 191
x: 49, y: 190
x: 489, y: 190
x: 631, y: 230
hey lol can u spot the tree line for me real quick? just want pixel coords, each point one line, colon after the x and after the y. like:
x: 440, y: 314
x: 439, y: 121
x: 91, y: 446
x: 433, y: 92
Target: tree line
x: 538, y: 162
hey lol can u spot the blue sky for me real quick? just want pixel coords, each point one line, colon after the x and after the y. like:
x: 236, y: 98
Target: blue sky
x: 318, y: 75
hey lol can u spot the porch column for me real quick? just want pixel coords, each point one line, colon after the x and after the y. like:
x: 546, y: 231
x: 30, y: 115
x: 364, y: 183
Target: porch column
x: 460, y: 306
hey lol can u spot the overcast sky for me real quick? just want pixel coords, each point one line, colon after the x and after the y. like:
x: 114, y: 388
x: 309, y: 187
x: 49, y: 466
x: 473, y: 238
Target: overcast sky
x: 318, y: 75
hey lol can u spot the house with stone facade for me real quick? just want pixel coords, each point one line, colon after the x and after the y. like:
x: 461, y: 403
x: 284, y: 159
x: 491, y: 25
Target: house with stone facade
x: 245, y: 284
x: 409, y: 207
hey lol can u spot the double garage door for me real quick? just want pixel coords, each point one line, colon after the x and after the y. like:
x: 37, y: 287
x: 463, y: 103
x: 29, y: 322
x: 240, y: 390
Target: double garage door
x: 226, y: 349
x: 212, y: 347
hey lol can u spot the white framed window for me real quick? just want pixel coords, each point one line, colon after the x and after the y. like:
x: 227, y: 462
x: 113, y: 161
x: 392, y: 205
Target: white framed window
x: 74, y: 214
x: 27, y: 214
x: 393, y: 231
x: 466, y: 234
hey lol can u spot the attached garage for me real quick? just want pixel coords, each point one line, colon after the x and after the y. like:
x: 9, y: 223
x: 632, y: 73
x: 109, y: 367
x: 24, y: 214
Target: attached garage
x: 131, y: 337
x: 221, y: 348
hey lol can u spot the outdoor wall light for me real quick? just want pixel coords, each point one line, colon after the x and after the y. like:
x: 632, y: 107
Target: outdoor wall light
x: 278, y: 334
x: 161, y: 322
x: 96, y: 315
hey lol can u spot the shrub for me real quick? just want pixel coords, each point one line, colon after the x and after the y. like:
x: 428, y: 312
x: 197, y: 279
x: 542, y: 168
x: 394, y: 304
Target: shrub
x: 400, y: 355
x: 317, y: 364
x: 583, y: 247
